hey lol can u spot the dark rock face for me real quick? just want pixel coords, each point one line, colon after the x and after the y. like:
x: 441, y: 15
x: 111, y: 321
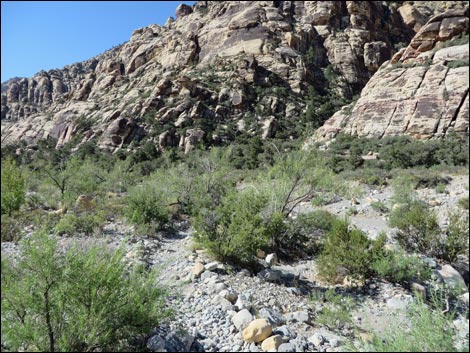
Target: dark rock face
x: 173, y: 76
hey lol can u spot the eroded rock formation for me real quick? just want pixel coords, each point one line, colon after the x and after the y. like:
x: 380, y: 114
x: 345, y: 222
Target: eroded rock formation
x: 222, y: 67
x: 421, y: 92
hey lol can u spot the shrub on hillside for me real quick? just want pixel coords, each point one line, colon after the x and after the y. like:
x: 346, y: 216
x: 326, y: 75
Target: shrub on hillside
x: 76, y: 300
x: 85, y: 223
x: 455, y: 240
x: 398, y: 267
x: 418, y: 229
x: 235, y: 230
x: 348, y: 252
x: 303, y: 235
x: 148, y: 203
x: 13, y: 188
x: 425, y: 330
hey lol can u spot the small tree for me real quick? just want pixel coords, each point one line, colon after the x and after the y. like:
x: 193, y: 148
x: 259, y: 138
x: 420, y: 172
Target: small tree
x: 13, y: 187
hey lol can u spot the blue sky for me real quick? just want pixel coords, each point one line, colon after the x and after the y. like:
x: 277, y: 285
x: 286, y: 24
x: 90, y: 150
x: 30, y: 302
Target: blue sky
x: 44, y: 35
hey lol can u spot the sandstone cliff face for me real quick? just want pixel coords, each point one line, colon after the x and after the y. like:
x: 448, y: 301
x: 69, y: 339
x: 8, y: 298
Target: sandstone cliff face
x: 421, y: 92
x: 217, y: 68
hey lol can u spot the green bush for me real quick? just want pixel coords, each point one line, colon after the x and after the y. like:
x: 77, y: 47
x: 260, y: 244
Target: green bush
x: 441, y: 188
x: 336, y: 310
x: 418, y: 229
x: 13, y: 187
x: 11, y: 230
x: 83, y: 223
x: 456, y: 240
x: 379, y: 206
x: 147, y: 203
x: 426, y: 330
x: 348, y: 252
x: 235, y: 230
x: 76, y: 300
x: 399, y: 267
x: 463, y: 202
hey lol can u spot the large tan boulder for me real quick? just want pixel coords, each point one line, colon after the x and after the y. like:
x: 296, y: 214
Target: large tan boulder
x: 271, y: 344
x: 257, y: 331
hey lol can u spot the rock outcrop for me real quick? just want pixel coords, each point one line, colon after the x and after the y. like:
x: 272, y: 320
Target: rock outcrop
x: 218, y: 68
x: 421, y: 92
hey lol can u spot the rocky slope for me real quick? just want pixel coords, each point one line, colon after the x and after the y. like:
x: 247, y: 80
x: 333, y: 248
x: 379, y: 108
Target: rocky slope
x: 214, y: 302
x: 422, y: 91
x: 219, y: 67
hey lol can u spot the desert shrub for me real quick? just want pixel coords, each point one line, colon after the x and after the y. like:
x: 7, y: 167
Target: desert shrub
x: 76, y: 300
x: 418, y: 229
x: 85, y: 223
x: 425, y: 330
x: 379, y: 206
x: 302, y: 235
x: 148, y: 203
x: 441, y: 188
x: 455, y: 241
x: 336, y: 309
x: 463, y: 202
x: 13, y: 187
x: 11, y: 229
x: 348, y: 252
x: 398, y: 267
x: 235, y: 230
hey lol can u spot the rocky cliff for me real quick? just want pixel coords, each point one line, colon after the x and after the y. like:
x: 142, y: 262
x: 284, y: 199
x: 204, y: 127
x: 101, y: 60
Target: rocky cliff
x: 422, y: 91
x: 223, y: 67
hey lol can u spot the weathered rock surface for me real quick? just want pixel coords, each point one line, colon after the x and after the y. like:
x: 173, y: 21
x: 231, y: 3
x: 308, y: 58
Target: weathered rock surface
x: 422, y: 92
x: 216, y: 53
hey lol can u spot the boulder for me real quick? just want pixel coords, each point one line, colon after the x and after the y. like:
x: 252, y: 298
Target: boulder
x: 451, y: 277
x: 271, y: 344
x: 257, y: 331
x: 183, y: 10
x: 242, y: 319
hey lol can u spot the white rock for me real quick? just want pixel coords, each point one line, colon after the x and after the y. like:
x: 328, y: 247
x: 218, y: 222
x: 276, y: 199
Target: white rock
x: 317, y: 339
x: 452, y: 277
x: 211, y: 266
x: 271, y: 259
x: 242, y: 319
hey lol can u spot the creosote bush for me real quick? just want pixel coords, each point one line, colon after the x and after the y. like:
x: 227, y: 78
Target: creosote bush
x: 348, y: 252
x: 235, y: 230
x: 76, y: 300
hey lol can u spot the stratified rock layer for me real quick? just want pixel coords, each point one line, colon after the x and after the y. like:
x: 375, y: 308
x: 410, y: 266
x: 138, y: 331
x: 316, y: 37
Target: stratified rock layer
x: 421, y: 92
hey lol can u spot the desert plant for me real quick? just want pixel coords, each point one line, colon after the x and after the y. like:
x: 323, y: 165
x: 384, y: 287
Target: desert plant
x: 76, y: 300
x: 463, y: 202
x: 13, y: 187
x: 455, y: 241
x: 426, y: 330
x: 235, y: 230
x: 147, y: 203
x: 379, y: 206
x: 398, y: 267
x: 83, y: 223
x: 348, y: 252
x: 418, y: 229
x: 336, y: 309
